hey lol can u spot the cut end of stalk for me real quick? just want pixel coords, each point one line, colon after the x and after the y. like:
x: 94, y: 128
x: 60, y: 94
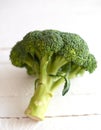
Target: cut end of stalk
x: 38, y: 104
x: 34, y: 118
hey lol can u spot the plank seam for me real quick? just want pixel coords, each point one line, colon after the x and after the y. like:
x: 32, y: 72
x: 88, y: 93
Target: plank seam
x: 58, y: 116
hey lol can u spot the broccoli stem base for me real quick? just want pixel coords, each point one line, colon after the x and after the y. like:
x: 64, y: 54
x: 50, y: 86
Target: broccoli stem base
x: 44, y: 90
x: 39, y: 103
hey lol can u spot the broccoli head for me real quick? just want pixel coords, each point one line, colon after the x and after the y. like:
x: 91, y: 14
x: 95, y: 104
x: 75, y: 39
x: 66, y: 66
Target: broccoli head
x: 54, y: 57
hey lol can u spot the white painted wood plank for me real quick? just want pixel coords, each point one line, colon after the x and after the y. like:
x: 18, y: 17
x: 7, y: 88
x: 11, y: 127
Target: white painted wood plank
x: 59, y: 106
x: 4, y: 55
x: 16, y: 82
x: 16, y: 89
x: 82, y: 19
x: 66, y: 123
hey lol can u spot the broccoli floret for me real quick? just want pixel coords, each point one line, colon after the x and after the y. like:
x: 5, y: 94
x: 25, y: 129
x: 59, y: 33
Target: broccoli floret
x: 54, y: 57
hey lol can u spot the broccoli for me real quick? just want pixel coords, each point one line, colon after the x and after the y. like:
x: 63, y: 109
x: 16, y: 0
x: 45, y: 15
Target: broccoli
x: 54, y: 58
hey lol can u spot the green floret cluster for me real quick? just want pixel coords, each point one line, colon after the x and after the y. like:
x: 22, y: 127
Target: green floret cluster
x: 54, y: 58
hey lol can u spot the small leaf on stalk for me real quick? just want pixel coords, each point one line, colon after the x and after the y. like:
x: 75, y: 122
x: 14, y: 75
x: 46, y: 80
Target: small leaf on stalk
x: 36, y: 81
x: 66, y: 86
x: 53, y: 75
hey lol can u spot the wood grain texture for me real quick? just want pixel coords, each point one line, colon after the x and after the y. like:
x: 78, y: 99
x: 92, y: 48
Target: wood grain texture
x: 70, y: 105
x: 57, y: 123
x: 80, y: 109
x: 16, y: 89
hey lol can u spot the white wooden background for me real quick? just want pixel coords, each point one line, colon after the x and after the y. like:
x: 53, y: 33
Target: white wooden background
x: 80, y: 109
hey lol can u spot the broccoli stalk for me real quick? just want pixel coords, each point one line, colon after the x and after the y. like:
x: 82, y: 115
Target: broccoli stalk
x: 39, y: 102
x: 44, y: 89
x: 55, y: 58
